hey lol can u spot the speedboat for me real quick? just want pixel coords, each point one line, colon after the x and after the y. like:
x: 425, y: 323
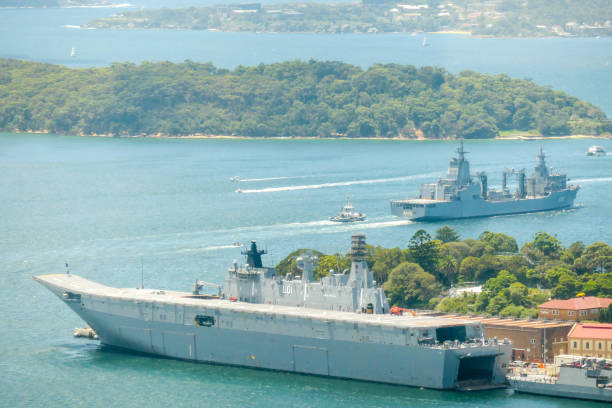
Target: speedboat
x: 348, y: 214
x: 596, y: 151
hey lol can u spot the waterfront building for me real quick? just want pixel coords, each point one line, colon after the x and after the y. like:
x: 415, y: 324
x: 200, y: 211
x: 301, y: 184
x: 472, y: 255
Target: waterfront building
x: 533, y: 340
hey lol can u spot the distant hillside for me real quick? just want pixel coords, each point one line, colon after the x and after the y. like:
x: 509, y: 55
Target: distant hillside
x: 519, y: 18
x: 319, y: 99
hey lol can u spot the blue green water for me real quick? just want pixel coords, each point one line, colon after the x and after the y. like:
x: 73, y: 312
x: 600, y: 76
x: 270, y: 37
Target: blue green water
x: 106, y: 205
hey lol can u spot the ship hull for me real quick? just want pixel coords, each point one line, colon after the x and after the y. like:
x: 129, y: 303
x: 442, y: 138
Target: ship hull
x: 446, y: 210
x: 563, y: 390
x: 299, y: 345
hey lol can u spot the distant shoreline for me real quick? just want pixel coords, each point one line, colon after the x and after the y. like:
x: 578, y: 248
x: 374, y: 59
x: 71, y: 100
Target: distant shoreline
x: 236, y: 137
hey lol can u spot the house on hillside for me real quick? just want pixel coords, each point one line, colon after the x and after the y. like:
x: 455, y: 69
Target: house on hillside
x: 576, y: 309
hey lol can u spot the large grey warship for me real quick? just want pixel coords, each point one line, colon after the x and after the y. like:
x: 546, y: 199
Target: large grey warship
x: 339, y: 326
x: 461, y: 195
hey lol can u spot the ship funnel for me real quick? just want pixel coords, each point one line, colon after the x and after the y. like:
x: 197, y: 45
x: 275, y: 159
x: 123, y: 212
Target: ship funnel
x: 522, y: 190
x: 484, y: 188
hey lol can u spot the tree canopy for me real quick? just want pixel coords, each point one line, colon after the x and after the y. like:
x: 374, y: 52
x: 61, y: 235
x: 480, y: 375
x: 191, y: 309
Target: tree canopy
x: 295, y: 98
x: 513, y: 282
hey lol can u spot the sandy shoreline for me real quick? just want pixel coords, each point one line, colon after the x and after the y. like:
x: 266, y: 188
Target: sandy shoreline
x: 235, y: 137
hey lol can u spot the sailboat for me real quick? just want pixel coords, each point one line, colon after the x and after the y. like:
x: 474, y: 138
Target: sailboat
x: 73, y: 52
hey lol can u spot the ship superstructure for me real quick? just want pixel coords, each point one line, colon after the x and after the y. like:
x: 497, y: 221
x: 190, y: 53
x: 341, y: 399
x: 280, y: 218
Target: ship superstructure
x: 463, y: 195
x: 352, y: 291
x: 338, y: 327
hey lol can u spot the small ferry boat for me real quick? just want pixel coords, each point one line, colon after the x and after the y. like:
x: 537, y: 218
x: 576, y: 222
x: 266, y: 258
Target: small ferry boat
x: 587, y: 378
x: 348, y: 214
x: 596, y: 151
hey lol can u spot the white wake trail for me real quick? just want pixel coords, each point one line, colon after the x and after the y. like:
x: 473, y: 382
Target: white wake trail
x: 335, y: 184
x: 593, y: 180
x: 250, y: 180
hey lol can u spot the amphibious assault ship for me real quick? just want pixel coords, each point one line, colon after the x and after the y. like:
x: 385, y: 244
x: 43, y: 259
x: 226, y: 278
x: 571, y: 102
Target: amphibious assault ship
x: 339, y: 326
x: 462, y: 195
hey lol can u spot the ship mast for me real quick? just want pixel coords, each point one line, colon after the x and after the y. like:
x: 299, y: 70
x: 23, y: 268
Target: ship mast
x: 463, y: 166
x: 254, y: 256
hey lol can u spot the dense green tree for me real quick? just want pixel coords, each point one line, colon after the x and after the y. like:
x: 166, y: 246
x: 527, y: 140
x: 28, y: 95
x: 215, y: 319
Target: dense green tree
x: 605, y: 315
x: 568, y: 287
x: 458, y: 250
x: 547, y: 244
x: 295, y: 98
x: 477, y: 248
x: 596, y: 257
x: 423, y: 250
x: 499, y: 242
x: 448, y: 268
x: 552, y: 275
x: 469, y: 269
x: 463, y: 304
x: 512, y: 284
x: 572, y: 252
x: 410, y: 286
x: 447, y: 234
x: 382, y: 261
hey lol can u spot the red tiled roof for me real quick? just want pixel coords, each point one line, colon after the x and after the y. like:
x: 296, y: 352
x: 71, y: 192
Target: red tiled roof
x: 580, y: 303
x: 591, y: 331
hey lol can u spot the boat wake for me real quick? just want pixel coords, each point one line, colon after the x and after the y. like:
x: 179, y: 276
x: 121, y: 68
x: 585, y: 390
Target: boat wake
x: 101, y: 6
x: 292, y: 229
x: 250, y: 180
x: 204, y: 249
x: 593, y: 180
x: 336, y: 184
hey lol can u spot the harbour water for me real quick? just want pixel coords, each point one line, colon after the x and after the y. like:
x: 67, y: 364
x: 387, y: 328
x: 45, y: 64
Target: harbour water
x: 118, y: 208
x: 112, y: 208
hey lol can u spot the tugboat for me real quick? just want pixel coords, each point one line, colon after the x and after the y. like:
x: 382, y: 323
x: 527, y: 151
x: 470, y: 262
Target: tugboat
x: 348, y: 214
x: 596, y: 151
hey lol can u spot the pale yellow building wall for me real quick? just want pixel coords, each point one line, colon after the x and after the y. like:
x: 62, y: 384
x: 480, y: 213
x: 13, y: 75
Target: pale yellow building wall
x: 590, y: 347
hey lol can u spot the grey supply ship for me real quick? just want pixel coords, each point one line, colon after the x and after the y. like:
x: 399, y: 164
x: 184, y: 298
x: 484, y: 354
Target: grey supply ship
x: 461, y: 195
x: 589, y: 379
x: 337, y: 327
